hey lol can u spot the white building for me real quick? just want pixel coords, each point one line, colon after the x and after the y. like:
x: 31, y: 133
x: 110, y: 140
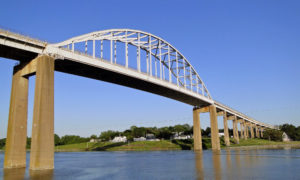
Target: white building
x: 180, y: 135
x: 139, y: 139
x: 285, y: 137
x: 221, y: 134
x: 95, y: 140
x: 119, y: 139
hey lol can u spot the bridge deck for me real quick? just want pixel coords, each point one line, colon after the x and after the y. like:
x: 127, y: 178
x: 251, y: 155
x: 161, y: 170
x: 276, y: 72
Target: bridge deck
x: 24, y: 49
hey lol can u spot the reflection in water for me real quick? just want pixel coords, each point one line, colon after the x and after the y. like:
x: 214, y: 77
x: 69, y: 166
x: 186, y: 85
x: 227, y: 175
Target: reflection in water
x: 237, y: 158
x: 41, y: 174
x: 14, y: 174
x: 199, y: 165
x: 216, y: 157
x: 229, y: 168
x: 238, y: 169
x: 19, y: 174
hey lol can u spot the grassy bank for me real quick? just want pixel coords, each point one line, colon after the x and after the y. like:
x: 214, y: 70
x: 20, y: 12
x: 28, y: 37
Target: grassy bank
x: 262, y: 142
x: 133, y: 146
x: 168, y: 145
x: 136, y: 146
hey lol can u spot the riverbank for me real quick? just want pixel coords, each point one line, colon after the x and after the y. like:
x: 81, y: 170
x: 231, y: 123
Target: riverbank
x: 165, y: 145
x: 172, y: 145
x: 132, y: 146
x: 263, y: 144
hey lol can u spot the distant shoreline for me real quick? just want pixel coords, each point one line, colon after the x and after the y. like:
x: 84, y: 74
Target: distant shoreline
x: 277, y: 146
x: 167, y: 145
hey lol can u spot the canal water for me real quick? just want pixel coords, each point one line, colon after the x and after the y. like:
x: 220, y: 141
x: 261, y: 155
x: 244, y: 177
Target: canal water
x: 226, y: 164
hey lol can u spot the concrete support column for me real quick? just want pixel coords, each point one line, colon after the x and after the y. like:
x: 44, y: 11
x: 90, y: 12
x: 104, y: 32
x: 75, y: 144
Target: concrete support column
x: 215, y: 140
x: 251, y: 130
x: 42, y: 142
x: 261, y: 132
x: 15, y: 148
x: 226, y: 133
x: 197, y: 130
x: 247, y: 125
x: 257, y: 132
x: 235, y: 131
x: 245, y: 130
x: 242, y: 130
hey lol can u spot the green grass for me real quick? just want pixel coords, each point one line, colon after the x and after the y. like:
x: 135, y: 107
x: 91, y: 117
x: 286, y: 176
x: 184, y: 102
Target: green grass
x: 146, y: 146
x: 259, y: 142
x: 162, y: 145
x: 81, y: 146
x: 133, y: 146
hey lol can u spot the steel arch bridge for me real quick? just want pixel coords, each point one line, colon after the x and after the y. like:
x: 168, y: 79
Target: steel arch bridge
x: 126, y: 57
x: 160, y: 55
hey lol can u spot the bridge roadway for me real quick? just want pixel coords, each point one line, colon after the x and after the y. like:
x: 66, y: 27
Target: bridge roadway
x: 36, y: 58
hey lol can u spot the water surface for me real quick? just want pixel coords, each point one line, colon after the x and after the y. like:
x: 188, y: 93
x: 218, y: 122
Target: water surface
x: 226, y: 164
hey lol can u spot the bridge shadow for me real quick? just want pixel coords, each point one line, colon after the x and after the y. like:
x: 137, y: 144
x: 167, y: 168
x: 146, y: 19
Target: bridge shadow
x: 104, y: 148
x: 185, y: 144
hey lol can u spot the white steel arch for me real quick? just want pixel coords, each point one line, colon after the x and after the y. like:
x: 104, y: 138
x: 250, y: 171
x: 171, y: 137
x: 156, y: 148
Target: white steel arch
x: 161, y: 57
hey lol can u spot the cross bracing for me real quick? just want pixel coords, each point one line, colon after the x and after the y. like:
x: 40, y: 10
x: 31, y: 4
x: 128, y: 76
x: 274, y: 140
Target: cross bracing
x: 154, y: 56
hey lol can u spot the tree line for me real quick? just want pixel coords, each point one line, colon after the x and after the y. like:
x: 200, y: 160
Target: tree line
x: 164, y: 133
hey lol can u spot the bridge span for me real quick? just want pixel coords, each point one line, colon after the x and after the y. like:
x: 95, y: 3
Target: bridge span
x: 126, y: 57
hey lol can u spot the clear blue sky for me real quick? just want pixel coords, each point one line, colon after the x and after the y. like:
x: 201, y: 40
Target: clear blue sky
x: 246, y: 52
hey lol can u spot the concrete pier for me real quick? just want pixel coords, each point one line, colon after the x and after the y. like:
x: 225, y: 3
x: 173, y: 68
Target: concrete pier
x: 257, y: 132
x: 15, y: 148
x: 242, y: 128
x: 226, y: 133
x: 245, y: 130
x: 215, y: 140
x: 197, y: 130
x: 235, y: 131
x: 261, y: 132
x: 251, y: 130
x: 42, y: 142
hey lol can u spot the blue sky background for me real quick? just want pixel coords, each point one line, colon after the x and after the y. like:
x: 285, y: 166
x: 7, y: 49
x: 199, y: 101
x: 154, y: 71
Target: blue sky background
x: 246, y: 52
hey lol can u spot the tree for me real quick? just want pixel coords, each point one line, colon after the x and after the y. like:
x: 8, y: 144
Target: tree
x: 28, y: 143
x: 108, y: 135
x: 290, y: 130
x: 182, y: 128
x: 72, y: 139
x: 297, y: 134
x: 206, y: 132
x: 93, y: 136
x: 2, y: 142
x: 164, y: 133
x: 272, y: 134
x: 139, y: 132
x: 56, y: 140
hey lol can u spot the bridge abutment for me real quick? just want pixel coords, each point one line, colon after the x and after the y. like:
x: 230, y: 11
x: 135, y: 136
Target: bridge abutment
x: 15, y: 148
